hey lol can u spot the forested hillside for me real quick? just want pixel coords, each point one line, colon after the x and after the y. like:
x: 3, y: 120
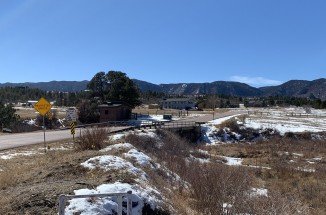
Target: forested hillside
x: 23, y: 94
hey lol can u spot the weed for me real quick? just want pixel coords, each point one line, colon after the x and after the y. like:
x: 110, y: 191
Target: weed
x: 92, y: 139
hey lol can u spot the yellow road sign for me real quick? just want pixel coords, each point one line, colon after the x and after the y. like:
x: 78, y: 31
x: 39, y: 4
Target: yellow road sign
x: 42, y: 106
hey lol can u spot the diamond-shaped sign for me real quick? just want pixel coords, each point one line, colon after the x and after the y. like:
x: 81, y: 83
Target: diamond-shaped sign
x: 42, y: 106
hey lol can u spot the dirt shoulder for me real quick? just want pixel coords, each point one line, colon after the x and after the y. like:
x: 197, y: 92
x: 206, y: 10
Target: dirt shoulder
x: 32, y: 184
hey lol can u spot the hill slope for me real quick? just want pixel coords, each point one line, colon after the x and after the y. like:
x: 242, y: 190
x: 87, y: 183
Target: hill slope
x: 217, y: 87
x: 299, y: 88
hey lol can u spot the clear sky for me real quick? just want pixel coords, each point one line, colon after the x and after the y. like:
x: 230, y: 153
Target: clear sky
x: 259, y: 42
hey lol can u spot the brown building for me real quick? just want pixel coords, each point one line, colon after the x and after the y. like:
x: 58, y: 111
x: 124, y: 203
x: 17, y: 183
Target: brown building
x: 114, y: 111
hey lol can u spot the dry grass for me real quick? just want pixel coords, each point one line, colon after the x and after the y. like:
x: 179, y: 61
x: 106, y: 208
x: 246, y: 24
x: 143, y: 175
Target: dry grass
x: 31, y: 113
x: 295, y: 175
x: 32, y: 184
x: 93, y: 139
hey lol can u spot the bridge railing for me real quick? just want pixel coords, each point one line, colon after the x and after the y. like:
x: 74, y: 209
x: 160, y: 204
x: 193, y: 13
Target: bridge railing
x: 142, y: 124
x: 179, y: 124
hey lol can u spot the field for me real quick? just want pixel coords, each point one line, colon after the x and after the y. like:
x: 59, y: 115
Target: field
x: 241, y: 165
x: 31, y: 113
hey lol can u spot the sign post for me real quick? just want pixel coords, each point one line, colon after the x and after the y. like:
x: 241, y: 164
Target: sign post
x: 72, y: 130
x: 72, y: 118
x: 43, y: 106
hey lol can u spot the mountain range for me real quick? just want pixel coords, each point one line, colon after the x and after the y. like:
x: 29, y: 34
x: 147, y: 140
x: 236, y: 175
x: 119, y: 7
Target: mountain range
x: 296, y: 88
x: 315, y: 89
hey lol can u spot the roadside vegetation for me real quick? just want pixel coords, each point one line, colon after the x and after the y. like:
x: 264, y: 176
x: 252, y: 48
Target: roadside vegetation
x: 279, y: 175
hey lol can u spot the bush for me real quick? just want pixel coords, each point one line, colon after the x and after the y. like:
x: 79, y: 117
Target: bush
x: 215, y: 185
x: 92, y: 139
x: 232, y: 124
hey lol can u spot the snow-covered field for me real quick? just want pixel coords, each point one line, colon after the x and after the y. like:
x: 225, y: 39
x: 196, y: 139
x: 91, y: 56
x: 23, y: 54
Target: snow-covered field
x: 289, y: 120
x: 276, y: 119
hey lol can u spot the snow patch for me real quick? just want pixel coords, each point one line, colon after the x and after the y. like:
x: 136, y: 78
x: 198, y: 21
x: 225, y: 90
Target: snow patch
x: 108, y: 205
x: 109, y: 162
x: 259, y: 192
x: 233, y: 161
x: 6, y: 156
x: 118, y: 146
x: 141, y: 158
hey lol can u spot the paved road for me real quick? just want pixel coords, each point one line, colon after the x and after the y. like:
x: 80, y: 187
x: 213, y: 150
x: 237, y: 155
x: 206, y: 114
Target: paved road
x: 209, y: 117
x: 8, y: 141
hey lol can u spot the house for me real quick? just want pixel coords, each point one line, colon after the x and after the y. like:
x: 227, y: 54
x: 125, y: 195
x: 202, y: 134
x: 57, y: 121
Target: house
x: 178, y: 103
x: 114, y: 111
x: 31, y: 103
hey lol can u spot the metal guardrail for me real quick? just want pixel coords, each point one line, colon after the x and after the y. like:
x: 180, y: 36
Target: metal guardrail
x: 179, y: 124
x: 143, y: 124
x: 63, y: 198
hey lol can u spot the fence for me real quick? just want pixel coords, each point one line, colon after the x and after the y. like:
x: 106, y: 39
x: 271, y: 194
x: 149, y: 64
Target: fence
x: 287, y: 114
x: 180, y: 124
x: 63, y: 198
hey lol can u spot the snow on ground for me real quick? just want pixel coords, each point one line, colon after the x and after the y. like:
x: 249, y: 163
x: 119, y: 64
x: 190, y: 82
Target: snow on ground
x: 142, y: 192
x: 276, y: 120
x: 287, y: 125
x: 117, y: 136
x: 142, y: 159
x: 305, y: 169
x: 259, y: 192
x: 209, y: 129
x: 207, y: 134
x: 118, y: 146
x: 283, y: 121
x: 67, y: 147
x: 223, y: 119
x: 109, y: 163
x: 149, y: 133
x: 109, y: 205
x: 233, y: 161
x: 149, y: 118
x: 6, y: 156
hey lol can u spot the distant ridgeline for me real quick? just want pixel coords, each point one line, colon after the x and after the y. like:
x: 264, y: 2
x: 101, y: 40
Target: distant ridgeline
x: 62, y: 86
x: 295, y: 88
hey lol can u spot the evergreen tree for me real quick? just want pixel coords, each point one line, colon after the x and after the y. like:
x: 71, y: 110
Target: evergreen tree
x: 88, y: 112
x: 115, y: 86
x: 99, y: 86
x: 8, y: 115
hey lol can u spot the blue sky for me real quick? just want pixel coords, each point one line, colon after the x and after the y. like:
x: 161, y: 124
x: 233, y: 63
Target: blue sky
x: 259, y: 42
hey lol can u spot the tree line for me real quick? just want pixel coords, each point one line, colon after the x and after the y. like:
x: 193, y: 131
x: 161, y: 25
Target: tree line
x: 117, y: 86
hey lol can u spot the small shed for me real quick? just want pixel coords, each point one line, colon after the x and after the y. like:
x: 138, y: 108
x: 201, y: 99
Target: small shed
x: 115, y: 111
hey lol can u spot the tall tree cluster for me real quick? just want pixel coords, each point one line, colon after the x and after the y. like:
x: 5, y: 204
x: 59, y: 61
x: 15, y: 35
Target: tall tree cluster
x: 114, y: 86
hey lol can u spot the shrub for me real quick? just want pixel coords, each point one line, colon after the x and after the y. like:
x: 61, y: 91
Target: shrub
x: 142, y: 142
x: 232, y: 124
x: 92, y: 139
x: 215, y: 185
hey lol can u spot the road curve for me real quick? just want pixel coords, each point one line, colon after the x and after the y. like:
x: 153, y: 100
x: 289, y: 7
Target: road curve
x: 209, y: 117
